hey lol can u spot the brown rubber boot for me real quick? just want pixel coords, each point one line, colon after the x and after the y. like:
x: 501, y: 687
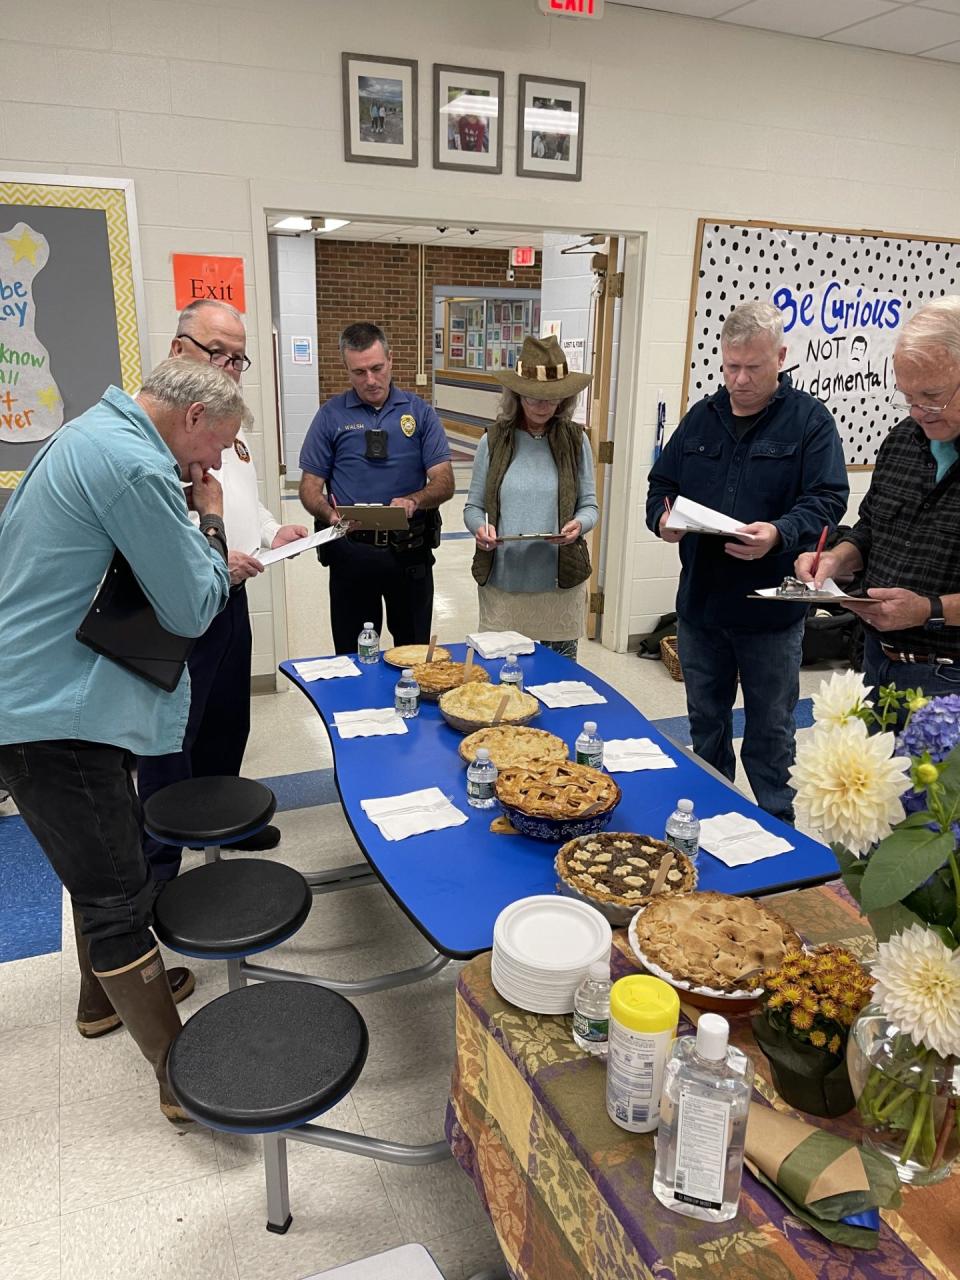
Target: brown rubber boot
x: 95, y: 1014
x: 141, y: 996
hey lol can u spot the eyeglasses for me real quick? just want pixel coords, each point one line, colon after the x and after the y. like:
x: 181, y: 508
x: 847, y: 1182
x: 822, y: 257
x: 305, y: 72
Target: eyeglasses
x: 222, y: 360
x: 901, y: 401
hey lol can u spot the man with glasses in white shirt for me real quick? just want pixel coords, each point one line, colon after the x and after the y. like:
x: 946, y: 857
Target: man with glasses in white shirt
x: 906, y: 542
x: 219, y: 723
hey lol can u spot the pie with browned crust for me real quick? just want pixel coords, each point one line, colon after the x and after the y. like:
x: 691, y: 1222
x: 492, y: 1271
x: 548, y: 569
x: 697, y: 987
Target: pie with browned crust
x: 435, y: 678
x: 621, y: 868
x: 713, y: 940
x: 513, y: 746
x: 408, y: 655
x: 558, y: 790
x: 479, y: 703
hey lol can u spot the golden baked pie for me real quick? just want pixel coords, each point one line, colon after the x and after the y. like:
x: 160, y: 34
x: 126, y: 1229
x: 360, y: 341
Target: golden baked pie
x: 511, y: 746
x: 620, y: 868
x: 435, y: 678
x: 558, y: 790
x: 480, y: 702
x: 713, y: 940
x: 408, y: 655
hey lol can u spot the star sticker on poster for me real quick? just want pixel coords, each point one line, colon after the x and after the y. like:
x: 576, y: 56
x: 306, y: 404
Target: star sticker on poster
x: 48, y: 397
x: 24, y: 247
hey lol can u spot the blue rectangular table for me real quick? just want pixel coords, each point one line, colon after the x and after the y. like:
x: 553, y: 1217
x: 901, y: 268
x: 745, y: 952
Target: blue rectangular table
x: 454, y: 883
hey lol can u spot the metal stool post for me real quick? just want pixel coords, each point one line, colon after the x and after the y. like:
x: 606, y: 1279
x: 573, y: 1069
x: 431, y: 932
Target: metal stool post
x: 278, y: 1185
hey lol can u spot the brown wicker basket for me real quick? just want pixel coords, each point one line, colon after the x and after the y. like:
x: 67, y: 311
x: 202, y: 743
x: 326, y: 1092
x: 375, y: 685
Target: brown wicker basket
x: 670, y: 656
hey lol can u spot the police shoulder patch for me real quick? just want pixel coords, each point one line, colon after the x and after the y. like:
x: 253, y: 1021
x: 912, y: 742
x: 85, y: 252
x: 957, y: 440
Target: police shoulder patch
x: 408, y: 424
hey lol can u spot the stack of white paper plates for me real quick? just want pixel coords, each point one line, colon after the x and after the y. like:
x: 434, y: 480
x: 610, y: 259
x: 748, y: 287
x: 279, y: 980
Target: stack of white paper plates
x: 542, y: 947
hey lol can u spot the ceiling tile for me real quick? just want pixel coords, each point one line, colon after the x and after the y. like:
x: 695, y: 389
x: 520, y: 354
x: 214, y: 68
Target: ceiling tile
x: 812, y: 18
x: 907, y: 30
x: 945, y: 53
x: 690, y: 8
x: 944, y: 6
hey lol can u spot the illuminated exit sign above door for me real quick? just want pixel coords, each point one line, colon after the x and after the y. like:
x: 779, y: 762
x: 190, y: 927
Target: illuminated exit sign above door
x: 572, y: 8
x: 523, y: 257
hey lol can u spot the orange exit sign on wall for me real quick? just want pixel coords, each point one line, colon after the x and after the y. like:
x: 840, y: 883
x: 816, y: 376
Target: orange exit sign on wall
x: 523, y: 257
x: 201, y: 275
x: 572, y: 8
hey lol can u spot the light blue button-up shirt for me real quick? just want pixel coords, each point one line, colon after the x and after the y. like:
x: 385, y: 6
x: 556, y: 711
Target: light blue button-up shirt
x: 106, y: 481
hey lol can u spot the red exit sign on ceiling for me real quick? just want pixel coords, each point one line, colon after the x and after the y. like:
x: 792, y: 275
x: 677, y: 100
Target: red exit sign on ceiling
x: 523, y: 257
x: 572, y: 8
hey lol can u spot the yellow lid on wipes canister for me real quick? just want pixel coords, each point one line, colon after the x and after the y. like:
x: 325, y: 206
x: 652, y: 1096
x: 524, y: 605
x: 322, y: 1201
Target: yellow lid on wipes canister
x: 643, y: 1003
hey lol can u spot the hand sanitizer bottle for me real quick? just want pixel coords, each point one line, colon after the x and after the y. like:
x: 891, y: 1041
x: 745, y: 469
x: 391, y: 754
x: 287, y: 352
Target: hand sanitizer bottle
x: 703, y: 1124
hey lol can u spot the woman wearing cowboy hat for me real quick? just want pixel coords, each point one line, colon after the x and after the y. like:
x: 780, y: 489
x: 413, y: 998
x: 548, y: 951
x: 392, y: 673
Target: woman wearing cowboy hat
x: 534, y: 475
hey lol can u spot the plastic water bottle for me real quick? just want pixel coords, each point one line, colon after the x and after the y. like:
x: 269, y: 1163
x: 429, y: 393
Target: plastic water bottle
x: 368, y: 644
x: 510, y: 672
x: 591, y: 1010
x: 703, y: 1124
x: 406, y: 695
x: 588, y: 748
x: 481, y: 776
x: 683, y: 830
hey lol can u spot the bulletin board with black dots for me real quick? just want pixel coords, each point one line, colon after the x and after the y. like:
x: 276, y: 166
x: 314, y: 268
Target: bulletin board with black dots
x: 844, y: 296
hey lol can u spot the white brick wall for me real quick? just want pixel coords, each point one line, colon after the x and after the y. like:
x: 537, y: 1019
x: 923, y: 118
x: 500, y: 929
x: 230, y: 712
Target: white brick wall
x: 220, y: 109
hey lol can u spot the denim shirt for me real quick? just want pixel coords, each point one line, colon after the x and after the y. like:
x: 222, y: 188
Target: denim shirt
x: 788, y: 470
x: 106, y: 480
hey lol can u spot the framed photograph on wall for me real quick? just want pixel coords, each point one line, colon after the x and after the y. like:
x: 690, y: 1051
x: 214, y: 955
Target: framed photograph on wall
x: 379, y: 109
x: 467, y: 111
x: 550, y: 128
x: 438, y: 341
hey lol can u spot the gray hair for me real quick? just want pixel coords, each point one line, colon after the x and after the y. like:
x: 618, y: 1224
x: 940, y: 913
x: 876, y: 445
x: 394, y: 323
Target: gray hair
x: 753, y: 320
x: 362, y: 336
x: 181, y: 383
x: 187, y: 315
x: 935, y: 324
x: 509, y: 410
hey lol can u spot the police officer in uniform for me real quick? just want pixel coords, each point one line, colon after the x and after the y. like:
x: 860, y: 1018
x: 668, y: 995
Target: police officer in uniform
x: 376, y: 443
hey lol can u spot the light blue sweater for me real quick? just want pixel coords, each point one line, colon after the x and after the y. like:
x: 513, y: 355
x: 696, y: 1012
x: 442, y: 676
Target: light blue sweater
x: 528, y: 504
x: 106, y: 481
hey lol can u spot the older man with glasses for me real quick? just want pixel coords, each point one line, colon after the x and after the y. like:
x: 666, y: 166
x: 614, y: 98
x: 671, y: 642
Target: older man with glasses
x: 906, y: 542
x: 219, y: 723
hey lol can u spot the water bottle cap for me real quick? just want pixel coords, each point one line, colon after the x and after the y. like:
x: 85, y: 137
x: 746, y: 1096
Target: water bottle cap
x: 590, y: 726
x: 685, y: 806
x: 407, y: 673
x: 713, y: 1033
x: 511, y: 657
x: 368, y: 626
x: 599, y: 971
x: 483, y: 753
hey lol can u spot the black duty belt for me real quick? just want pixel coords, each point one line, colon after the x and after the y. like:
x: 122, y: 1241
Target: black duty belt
x: 411, y: 539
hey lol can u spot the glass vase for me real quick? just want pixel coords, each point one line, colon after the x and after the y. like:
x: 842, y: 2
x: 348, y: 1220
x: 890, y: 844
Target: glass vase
x: 907, y: 1098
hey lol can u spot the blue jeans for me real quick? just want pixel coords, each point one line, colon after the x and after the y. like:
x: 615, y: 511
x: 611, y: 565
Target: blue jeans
x: 932, y: 677
x: 769, y: 666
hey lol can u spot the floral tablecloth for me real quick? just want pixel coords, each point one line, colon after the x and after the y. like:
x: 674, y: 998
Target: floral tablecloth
x: 568, y: 1191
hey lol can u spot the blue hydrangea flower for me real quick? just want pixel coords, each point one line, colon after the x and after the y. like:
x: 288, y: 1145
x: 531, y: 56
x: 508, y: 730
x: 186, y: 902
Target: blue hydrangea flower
x: 934, y: 728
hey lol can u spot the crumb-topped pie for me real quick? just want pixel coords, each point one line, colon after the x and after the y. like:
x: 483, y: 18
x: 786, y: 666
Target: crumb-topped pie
x: 477, y: 704
x: 558, y: 790
x: 435, y: 678
x: 712, y: 940
x: 620, y: 869
x: 408, y: 655
x: 512, y: 747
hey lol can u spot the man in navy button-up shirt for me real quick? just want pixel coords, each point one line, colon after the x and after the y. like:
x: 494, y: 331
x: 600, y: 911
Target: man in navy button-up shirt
x: 770, y: 456
x: 376, y: 443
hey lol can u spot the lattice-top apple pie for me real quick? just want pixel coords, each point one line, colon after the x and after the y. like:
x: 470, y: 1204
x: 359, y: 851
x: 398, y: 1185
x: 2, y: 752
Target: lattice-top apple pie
x: 713, y: 940
x: 559, y: 790
x: 511, y: 746
x: 435, y: 678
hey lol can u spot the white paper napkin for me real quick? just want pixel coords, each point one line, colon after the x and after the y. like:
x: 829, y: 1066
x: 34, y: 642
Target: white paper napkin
x: 413, y: 813
x: 497, y: 644
x: 565, y: 693
x: 627, y: 755
x: 737, y: 840
x: 371, y: 722
x: 326, y: 668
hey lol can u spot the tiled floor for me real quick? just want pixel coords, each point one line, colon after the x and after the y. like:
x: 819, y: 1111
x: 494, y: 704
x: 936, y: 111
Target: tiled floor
x: 95, y: 1183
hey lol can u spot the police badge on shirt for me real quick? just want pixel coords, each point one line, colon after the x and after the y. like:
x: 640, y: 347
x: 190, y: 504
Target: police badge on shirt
x: 408, y: 424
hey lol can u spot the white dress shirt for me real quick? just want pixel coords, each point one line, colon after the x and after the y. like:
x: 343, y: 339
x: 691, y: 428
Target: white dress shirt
x: 250, y: 526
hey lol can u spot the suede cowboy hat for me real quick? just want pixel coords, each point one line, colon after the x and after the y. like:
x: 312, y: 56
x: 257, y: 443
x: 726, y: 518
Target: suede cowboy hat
x: 542, y: 373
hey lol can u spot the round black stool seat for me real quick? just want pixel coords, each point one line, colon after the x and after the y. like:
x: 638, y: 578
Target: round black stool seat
x: 234, y: 908
x: 267, y: 1056
x: 202, y: 811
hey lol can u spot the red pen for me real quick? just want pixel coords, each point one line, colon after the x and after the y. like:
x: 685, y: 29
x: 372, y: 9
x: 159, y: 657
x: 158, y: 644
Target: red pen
x: 666, y: 505
x: 820, y: 545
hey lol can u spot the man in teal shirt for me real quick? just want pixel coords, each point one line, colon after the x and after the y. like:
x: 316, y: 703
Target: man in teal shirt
x: 71, y: 720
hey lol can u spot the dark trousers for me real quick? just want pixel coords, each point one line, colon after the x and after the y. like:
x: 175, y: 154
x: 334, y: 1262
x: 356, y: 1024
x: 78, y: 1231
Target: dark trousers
x: 934, y: 679
x: 79, y: 801
x: 768, y: 663
x: 218, y: 724
x: 364, y: 578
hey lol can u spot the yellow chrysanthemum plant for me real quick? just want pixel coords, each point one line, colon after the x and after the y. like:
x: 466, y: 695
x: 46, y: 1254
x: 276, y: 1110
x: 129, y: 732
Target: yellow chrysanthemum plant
x: 810, y: 1002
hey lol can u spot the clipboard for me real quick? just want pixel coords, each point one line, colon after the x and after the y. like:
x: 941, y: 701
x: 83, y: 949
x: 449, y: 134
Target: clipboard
x: 527, y: 537
x: 121, y: 625
x: 373, y: 515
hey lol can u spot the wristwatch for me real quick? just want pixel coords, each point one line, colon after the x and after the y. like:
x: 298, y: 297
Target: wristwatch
x: 936, y: 619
